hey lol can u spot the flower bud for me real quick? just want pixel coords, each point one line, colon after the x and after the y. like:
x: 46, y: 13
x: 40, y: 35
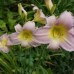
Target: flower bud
x: 49, y: 4
x: 21, y: 11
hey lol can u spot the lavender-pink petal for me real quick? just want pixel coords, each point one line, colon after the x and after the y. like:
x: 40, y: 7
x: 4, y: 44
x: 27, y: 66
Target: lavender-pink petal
x: 30, y: 25
x: 14, y: 38
x: 41, y: 35
x: 18, y: 28
x: 66, y: 19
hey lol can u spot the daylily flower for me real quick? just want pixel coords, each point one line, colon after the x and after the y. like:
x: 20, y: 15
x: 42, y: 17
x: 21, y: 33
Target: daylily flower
x: 58, y: 32
x: 24, y: 35
x: 5, y: 43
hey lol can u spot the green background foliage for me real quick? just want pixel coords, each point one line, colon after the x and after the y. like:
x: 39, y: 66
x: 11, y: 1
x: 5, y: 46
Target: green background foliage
x: 38, y: 60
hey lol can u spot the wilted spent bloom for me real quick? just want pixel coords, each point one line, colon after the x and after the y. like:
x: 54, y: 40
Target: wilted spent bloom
x: 58, y: 32
x: 49, y: 4
x: 24, y: 35
x: 39, y: 17
x: 5, y: 43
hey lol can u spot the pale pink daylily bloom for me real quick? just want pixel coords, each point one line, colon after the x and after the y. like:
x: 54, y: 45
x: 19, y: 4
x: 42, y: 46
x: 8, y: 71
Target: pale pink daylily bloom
x: 24, y: 35
x: 58, y: 32
x: 5, y: 42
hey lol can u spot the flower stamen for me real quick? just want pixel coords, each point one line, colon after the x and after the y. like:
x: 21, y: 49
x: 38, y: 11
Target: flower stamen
x: 58, y: 32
